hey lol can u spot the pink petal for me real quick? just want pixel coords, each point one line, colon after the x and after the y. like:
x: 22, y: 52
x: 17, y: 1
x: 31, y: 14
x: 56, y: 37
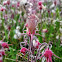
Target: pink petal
x: 50, y: 59
x: 47, y: 60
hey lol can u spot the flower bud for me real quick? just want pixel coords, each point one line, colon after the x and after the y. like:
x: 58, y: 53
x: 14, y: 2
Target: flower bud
x: 23, y: 50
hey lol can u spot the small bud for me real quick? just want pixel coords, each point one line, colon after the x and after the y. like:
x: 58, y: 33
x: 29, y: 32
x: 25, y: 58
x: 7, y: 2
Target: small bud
x: 3, y: 9
x: 36, y: 44
x: 23, y: 50
x: 40, y: 7
x: 8, y: 2
x: 39, y: 3
x: 5, y: 45
x: 44, y: 30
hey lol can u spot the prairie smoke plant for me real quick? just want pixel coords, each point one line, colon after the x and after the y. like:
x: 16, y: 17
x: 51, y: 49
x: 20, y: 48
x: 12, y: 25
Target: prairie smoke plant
x: 48, y: 55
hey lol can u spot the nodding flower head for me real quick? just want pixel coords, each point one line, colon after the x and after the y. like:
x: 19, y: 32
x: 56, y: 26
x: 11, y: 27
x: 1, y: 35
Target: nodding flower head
x: 2, y: 52
x: 5, y: 45
x: 36, y: 44
x: 31, y: 23
x: 39, y: 3
x: 45, y: 30
x: 55, y: 2
x: 2, y: 9
x: 8, y: 2
x: 48, y: 52
x: 48, y: 55
x: 23, y: 50
x: 18, y: 4
x: 9, y: 28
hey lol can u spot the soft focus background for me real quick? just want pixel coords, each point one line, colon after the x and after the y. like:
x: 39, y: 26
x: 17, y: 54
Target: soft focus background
x: 12, y: 21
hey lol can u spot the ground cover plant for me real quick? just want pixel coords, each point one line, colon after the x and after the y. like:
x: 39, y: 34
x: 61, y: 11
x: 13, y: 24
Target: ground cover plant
x: 30, y: 30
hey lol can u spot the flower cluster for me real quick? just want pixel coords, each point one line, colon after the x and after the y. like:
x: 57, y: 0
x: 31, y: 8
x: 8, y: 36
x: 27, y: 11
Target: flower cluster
x: 3, y: 45
x: 33, y: 26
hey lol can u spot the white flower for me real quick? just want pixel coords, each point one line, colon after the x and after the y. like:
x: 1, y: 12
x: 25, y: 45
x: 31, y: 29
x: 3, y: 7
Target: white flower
x: 23, y: 2
x: 13, y: 49
x: 31, y: 4
x: 16, y: 31
x: 19, y: 12
x: 15, y: 36
x: 34, y: 43
x: 14, y: 2
x: 60, y: 22
x: 60, y: 29
x: 14, y: 21
x: 57, y: 37
x: 53, y: 11
x: 4, y: 2
x: 30, y: 10
x: 44, y: 7
x: 19, y: 34
x: 18, y: 27
x: 52, y: 5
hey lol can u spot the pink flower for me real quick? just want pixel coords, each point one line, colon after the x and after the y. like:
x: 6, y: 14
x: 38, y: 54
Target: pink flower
x: 3, y: 9
x: 2, y: 52
x: 5, y: 45
x: 31, y: 24
x: 5, y: 3
x: 23, y: 50
x: 48, y: 11
x: 55, y: 2
x: 1, y: 61
x: 36, y: 44
x: 48, y: 54
x: 40, y: 7
x: 39, y: 3
x: 8, y: 2
x: 9, y: 28
x: 18, y: 4
x: 13, y: 5
x: 44, y: 30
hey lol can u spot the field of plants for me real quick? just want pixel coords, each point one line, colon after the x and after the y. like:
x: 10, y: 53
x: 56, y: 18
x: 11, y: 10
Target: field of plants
x: 30, y: 30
